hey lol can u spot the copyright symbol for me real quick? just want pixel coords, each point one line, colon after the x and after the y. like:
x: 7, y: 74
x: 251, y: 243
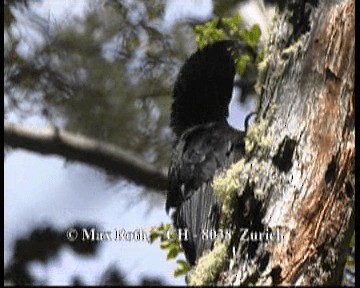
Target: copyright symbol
x: 72, y: 234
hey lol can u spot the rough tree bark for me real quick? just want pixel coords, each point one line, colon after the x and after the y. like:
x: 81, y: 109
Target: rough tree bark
x: 300, y: 174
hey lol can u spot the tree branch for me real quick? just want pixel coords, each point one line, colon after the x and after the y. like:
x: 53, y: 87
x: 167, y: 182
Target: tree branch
x: 89, y: 151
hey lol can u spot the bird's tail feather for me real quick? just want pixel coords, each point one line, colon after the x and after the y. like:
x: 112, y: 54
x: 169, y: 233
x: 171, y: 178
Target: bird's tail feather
x: 199, y: 214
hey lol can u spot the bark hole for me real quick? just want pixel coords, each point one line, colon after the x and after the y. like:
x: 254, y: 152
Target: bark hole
x: 300, y: 18
x: 283, y: 158
x: 248, y: 218
x: 349, y: 189
x: 275, y: 275
x: 330, y: 172
x: 264, y: 261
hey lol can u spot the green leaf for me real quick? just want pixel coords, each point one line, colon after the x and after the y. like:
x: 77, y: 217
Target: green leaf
x: 208, y: 33
x: 167, y: 227
x: 165, y: 244
x: 173, y: 252
x: 233, y: 24
x: 153, y: 236
x: 251, y: 36
x: 242, y: 62
x: 183, y: 268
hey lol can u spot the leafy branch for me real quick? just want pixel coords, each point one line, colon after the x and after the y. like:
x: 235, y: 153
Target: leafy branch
x: 230, y: 28
x: 169, y: 240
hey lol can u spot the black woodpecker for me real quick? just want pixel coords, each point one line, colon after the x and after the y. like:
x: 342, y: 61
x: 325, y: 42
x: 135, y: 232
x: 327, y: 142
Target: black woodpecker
x: 205, y: 144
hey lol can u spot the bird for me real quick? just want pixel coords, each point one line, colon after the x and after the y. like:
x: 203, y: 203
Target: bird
x: 205, y: 144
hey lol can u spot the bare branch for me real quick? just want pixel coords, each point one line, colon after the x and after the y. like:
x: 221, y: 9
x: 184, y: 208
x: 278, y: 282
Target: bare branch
x: 79, y: 148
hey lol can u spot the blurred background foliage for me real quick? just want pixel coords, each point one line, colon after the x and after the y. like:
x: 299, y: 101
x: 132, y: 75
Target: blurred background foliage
x: 106, y: 75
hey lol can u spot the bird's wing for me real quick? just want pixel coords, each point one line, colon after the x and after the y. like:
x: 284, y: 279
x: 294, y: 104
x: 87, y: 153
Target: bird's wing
x: 201, y: 153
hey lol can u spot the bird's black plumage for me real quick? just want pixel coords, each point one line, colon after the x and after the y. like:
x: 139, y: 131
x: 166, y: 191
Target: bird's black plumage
x: 205, y: 143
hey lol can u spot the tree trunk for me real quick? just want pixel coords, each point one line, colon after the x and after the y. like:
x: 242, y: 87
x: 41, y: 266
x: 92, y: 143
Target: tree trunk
x: 300, y: 175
